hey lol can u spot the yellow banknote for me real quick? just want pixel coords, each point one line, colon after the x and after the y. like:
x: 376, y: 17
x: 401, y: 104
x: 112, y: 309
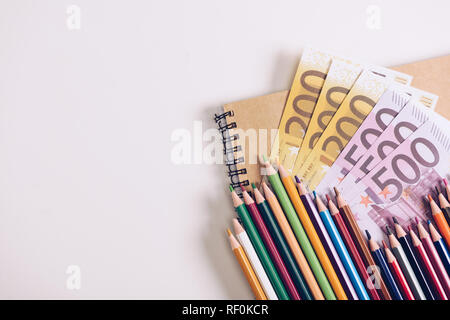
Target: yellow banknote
x: 359, y: 101
x: 340, y: 78
x: 305, y: 90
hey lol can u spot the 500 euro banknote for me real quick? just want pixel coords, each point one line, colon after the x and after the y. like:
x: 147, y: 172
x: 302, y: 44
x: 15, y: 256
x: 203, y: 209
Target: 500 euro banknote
x: 387, y: 108
x: 358, y: 103
x: 397, y: 186
x: 409, y: 119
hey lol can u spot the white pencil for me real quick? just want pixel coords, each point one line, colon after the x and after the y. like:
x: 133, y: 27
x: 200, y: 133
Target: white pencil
x: 254, y: 260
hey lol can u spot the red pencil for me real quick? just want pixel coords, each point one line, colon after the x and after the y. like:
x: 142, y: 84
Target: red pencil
x: 270, y: 245
x: 436, y: 261
x: 398, y: 274
x: 426, y: 264
x: 352, y: 249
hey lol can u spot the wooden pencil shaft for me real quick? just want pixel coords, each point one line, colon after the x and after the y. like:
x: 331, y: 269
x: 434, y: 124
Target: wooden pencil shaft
x: 273, y: 252
x: 293, y: 244
x: 386, y: 274
x: 417, y: 268
x: 355, y: 255
x: 262, y: 252
x: 249, y: 274
x: 364, y: 251
x: 329, y: 247
x: 283, y: 249
x: 408, y: 272
x: 344, y: 255
x: 301, y: 237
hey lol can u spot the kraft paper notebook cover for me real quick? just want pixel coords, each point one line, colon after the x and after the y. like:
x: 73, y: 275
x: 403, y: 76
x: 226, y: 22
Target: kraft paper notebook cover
x: 265, y: 112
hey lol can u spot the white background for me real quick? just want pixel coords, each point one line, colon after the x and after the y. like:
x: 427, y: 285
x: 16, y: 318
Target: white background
x: 86, y: 119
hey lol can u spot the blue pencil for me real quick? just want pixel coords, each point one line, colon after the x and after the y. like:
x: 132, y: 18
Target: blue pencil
x: 384, y: 268
x: 341, y: 249
x: 440, y: 246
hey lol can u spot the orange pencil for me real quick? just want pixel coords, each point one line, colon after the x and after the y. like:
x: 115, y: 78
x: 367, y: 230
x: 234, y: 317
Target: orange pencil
x: 293, y: 243
x: 246, y: 267
x: 439, y: 218
x: 312, y: 234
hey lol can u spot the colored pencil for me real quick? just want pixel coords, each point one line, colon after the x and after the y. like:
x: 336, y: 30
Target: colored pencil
x: 260, y: 249
x: 361, y: 243
x: 397, y: 273
x: 293, y: 243
x: 447, y: 188
x: 433, y: 255
x: 445, y: 205
x: 346, y: 237
x: 326, y: 241
x: 414, y: 261
x: 440, y: 246
x: 427, y: 265
x: 246, y: 267
x: 300, y: 233
x: 405, y: 266
x: 384, y: 268
x: 312, y: 234
x: 342, y: 250
x: 440, y: 221
x: 254, y: 260
x: 270, y: 245
x: 280, y: 243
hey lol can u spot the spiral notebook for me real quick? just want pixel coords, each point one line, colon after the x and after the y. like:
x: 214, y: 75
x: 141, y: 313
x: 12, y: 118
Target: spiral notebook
x: 264, y: 113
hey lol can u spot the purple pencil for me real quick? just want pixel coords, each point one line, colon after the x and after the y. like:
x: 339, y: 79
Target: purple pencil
x: 326, y: 240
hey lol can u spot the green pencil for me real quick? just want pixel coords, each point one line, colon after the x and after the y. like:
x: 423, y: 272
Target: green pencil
x: 260, y: 249
x: 299, y: 232
x: 281, y: 244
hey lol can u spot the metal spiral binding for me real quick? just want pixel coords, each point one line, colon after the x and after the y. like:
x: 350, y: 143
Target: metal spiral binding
x: 229, y: 150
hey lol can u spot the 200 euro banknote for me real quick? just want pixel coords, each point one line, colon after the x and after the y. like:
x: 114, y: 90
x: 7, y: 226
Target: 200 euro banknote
x: 340, y: 78
x: 387, y: 108
x: 358, y: 103
x: 397, y: 186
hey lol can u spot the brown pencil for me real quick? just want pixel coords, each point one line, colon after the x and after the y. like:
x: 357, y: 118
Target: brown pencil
x: 360, y: 242
x: 445, y: 206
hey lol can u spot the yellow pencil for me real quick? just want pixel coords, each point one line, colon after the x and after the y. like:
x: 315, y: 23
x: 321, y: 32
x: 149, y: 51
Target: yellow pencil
x: 246, y: 267
x: 312, y: 234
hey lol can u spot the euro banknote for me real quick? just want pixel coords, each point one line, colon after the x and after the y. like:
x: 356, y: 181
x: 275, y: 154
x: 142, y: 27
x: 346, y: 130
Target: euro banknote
x: 358, y: 103
x: 409, y: 119
x: 387, y: 108
x: 302, y: 98
x: 398, y: 185
x: 340, y: 78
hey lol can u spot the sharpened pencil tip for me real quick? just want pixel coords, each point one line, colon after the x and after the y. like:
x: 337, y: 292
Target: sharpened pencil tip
x: 242, y: 187
x: 395, y: 220
x: 314, y: 194
x: 253, y: 185
x: 328, y: 198
x: 428, y: 221
x: 388, y: 230
x: 437, y: 191
x: 231, y: 188
x: 368, y: 235
x: 445, y: 181
x: 336, y: 191
x: 384, y: 244
x: 409, y: 228
x: 430, y: 198
x: 228, y: 232
x: 417, y: 220
x: 297, y: 179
